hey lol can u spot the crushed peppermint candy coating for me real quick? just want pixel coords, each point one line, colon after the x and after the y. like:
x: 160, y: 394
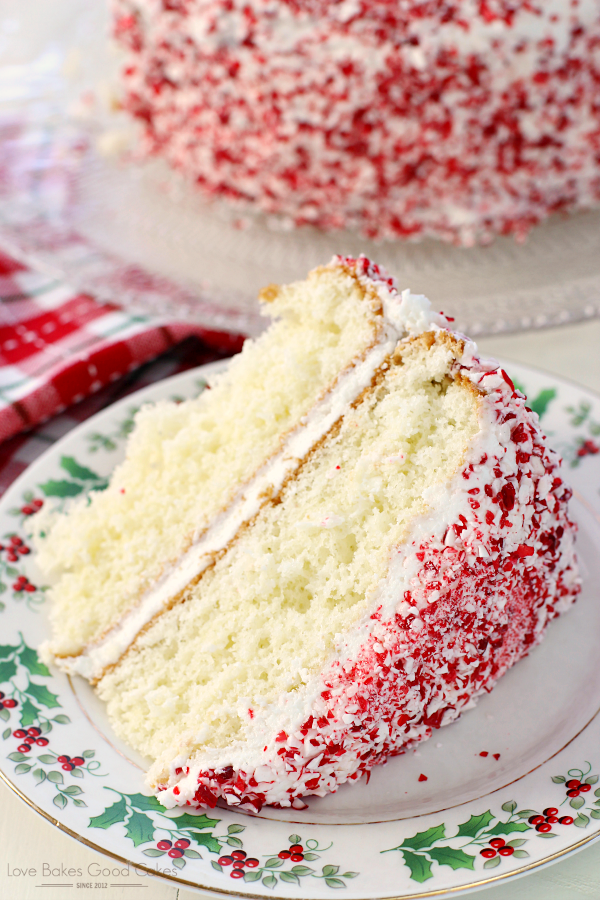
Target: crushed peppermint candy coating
x: 458, y: 119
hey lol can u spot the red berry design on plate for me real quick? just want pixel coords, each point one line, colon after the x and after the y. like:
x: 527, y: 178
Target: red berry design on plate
x: 9, y: 704
x: 175, y: 853
x: 64, y: 759
x: 588, y: 448
x: 252, y: 862
x: 183, y: 843
x: 24, y: 748
x: 164, y: 845
x: 22, y: 584
x: 68, y: 767
x: 239, y: 854
x: 77, y: 761
x: 42, y: 742
x: 566, y: 820
x: 225, y: 860
x: 543, y: 827
x: 20, y: 733
x: 585, y: 788
x: 551, y: 811
x: 2, y: 695
x: 573, y: 784
x: 285, y: 854
x: 574, y: 792
x: 297, y: 857
x: 15, y: 540
x: 237, y: 873
x: 506, y: 851
x: 535, y: 820
x: 34, y: 732
x: 489, y: 853
x: 496, y: 843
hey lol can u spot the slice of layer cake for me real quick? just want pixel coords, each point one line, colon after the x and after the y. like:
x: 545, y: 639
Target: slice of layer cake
x: 384, y: 552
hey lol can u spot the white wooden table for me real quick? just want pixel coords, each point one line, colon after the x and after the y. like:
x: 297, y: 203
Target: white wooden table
x: 43, y: 855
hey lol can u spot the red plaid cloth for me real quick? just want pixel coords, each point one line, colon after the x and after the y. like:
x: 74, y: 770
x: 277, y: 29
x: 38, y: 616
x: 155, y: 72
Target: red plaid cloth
x: 58, y: 346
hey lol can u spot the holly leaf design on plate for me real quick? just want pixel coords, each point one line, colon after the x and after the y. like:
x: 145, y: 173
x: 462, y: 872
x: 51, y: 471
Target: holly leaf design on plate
x: 138, y: 801
x: 8, y: 668
x: 475, y: 825
x: 6, y: 650
x: 139, y: 828
x: 29, y: 713
x: 508, y: 827
x: 187, y: 821
x: 420, y: 866
x: 75, y: 470
x: 110, y: 816
x: 206, y: 840
x: 456, y: 859
x: 540, y: 404
x: 424, y: 839
x: 41, y: 693
x: 53, y: 488
x: 29, y: 659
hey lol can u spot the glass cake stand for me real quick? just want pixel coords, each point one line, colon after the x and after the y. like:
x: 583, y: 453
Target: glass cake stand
x: 73, y: 196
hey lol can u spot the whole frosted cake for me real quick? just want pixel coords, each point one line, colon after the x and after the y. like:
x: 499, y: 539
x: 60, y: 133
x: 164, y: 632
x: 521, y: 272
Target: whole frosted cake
x: 355, y: 532
x: 401, y: 118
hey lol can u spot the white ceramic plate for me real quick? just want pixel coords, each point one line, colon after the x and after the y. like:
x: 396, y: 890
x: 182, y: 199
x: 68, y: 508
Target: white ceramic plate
x: 426, y: 823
